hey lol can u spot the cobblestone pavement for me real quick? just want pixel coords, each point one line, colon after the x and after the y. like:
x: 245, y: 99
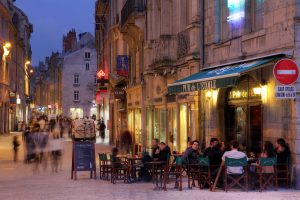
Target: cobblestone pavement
x: 20, y: 182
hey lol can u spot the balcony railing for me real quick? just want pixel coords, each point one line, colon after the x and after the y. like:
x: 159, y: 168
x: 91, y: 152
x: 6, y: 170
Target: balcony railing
x: 164, y: 50
x: 183, y: 43
x: 130, y: 7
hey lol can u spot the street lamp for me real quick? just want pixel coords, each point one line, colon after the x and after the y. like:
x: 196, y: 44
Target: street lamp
x: 6, y: 50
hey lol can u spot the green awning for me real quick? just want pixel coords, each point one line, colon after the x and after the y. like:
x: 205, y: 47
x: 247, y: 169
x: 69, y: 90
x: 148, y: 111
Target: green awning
x: 221, y: 77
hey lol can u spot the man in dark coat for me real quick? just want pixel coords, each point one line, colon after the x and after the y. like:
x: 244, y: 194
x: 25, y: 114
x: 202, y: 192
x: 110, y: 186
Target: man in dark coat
x: 102, y: 130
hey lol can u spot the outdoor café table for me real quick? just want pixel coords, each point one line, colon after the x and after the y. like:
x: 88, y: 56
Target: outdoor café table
x: 132, y: 161
x: 157, y: 166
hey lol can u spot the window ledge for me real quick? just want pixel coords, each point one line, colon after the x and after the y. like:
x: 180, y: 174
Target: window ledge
x: 76, y: 101
x: 255, y: 34
x: 223, y: 43
x: 76, y: 84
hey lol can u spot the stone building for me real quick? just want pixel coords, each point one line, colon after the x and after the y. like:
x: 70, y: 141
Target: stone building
x: 16, y: 30
x: 243, y: 41
x: 200, y: 69
x: 48, y: 77
x: 157, y: 42
x: 79, y: 75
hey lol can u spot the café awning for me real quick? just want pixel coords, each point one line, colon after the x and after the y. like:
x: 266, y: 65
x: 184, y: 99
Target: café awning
x: 219, y: 77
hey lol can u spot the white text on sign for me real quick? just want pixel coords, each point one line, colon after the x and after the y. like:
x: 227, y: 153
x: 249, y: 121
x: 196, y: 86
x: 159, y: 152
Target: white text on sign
x: 285, y: 92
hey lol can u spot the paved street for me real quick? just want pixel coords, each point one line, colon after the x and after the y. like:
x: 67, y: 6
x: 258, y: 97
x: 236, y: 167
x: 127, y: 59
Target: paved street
x: 21, y: 182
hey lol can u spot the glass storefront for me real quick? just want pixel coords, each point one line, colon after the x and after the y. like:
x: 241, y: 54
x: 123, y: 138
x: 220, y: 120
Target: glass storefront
x: 160, y: 124
x: 149, y: 127
x: 134, y: 124
x: 76, y: 113
x: 243, y: 115
x: 172, y: 127
x: 183, y: 128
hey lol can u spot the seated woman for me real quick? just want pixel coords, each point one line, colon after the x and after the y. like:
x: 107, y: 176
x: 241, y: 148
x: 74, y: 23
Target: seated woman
x: 116, y: 162
x: 268, y: 152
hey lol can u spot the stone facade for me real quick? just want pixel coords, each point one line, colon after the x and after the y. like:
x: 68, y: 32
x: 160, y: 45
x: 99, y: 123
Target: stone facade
x: 169, y: 40
x: 81, y: 63
x: 277, y: 34
x: 16, y: 30
x: 162, y: 41
x: 48, y: 77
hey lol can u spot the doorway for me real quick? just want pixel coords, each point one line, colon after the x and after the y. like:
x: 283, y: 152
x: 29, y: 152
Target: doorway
x: 243, y: 115
x: 243, y: 124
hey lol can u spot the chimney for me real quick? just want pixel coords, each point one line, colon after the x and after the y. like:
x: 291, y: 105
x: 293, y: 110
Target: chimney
x: 70, y: 41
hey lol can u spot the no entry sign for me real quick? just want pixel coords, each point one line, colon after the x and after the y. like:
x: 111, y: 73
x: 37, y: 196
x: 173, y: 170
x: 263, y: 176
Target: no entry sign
x: 286, y: 71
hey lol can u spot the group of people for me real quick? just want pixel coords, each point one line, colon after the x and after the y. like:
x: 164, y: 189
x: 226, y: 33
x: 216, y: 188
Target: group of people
x: 42, y: 141
x: 216, y: 152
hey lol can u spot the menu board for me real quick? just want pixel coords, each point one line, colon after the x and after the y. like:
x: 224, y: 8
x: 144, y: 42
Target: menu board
x: 83, y: 157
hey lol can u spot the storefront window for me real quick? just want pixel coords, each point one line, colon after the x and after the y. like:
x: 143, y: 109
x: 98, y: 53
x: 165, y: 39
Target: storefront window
x: 243, y: 115
x: 149, y: 127
x: 192, y: 123
x: 160, y: 124
x: 172, y: 127
x: 183, y: 128
x: 137, y: 126
x: 134, y: 124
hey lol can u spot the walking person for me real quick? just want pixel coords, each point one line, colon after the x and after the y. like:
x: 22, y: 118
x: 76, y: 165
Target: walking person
x: 102, y: 130
x: 16, y: 145
x: 26, y: 140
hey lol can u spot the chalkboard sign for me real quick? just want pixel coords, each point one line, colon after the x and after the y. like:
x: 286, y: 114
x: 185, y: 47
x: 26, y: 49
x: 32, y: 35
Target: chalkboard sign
x: 83, y: 157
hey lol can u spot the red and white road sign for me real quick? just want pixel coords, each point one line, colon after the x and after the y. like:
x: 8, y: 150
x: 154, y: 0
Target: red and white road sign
x: 286, y: 71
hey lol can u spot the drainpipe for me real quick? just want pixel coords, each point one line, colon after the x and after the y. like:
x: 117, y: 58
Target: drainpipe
x: 296, y: 116
x: 202, y: 32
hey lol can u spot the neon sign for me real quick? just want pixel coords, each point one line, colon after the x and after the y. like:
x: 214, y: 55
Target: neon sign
x: 236, y: 10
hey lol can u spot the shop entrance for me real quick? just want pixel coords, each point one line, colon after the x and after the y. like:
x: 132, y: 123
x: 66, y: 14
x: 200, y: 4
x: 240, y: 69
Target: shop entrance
x: 243, y: 116
x: 243, y: 123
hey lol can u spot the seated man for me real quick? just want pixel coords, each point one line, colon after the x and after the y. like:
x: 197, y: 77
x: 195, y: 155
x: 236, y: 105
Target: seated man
x: 164, y: 152
x: 234, y: 153
x: 155, y: 149
x: 191, y: 154
x: 214, y: 154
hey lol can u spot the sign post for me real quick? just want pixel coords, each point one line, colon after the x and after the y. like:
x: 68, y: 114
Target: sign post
x: 286, y: 72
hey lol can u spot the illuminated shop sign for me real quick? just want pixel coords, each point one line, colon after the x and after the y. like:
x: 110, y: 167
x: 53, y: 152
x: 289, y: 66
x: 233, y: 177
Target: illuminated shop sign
x: 236, y: 10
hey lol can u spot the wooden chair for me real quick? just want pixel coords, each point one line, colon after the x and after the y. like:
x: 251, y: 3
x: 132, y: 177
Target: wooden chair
x: 200, y: 171
x: 267, y: 178
x: 104, y: 166
x: 236, y: 179
x: 120, y: 171
x: 204, y: 172
x: 283, y: 173
x: 176, y: 170
x: 192, y: 174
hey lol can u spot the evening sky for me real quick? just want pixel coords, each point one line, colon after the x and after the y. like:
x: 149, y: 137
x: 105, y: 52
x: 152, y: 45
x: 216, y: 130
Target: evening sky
x: 52, y: 19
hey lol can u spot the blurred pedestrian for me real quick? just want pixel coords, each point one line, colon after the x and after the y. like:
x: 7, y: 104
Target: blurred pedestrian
x: 16, y: 145
x: 102, y: 130
x: 55, y: 147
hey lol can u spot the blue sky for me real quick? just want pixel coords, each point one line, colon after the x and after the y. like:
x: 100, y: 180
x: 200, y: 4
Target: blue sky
x: 53, y: 18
